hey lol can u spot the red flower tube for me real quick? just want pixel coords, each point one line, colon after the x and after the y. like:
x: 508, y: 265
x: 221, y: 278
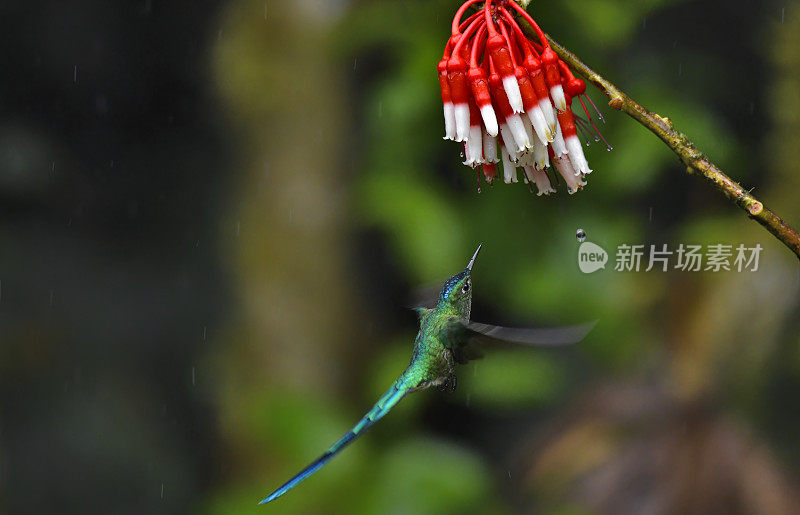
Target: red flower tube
x: 501, y: 57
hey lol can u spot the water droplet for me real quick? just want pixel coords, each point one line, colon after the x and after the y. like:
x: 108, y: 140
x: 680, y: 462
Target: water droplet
x: 581, y: 235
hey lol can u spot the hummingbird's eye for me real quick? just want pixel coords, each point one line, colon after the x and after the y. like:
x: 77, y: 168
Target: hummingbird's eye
x: 465, y: 288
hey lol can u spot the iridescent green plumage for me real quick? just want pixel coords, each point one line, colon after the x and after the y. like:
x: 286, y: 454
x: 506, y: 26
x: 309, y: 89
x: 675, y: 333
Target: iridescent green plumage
x: 445, y: 338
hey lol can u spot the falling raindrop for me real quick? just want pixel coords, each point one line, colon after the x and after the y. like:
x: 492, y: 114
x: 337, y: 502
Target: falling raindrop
x: 581, y: 235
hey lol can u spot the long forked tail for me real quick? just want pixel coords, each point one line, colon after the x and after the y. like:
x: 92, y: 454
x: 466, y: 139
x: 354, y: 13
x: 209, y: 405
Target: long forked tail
x: 381, y: 408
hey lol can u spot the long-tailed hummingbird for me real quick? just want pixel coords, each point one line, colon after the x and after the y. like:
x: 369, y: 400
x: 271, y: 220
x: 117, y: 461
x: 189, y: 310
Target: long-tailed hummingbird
x: 446, y: 337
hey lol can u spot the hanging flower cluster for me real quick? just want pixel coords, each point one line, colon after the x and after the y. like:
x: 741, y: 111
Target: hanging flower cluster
x: 500, y: 87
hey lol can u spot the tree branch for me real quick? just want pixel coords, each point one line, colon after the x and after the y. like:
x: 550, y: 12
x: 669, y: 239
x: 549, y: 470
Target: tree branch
x: 696, y: 163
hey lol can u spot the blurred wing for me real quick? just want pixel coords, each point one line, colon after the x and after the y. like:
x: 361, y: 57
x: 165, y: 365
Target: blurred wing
x: 546, y: 337
x: 426, y: 296
x: 473, y: 337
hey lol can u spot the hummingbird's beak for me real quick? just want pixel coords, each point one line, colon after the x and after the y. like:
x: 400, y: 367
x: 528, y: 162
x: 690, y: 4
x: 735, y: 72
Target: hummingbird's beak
x: 472, y: 261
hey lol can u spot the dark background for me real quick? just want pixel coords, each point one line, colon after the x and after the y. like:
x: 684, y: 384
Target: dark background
x: 214, y: 214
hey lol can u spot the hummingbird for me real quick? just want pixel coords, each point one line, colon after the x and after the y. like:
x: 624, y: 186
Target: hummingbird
x: 446, y: 337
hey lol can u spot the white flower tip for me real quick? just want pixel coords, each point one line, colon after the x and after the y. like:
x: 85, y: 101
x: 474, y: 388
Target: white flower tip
x: 530, y: 132
x: 509, y: 142
x: 449, y: 121
x: 546, y: 191
x: 559, y: 147
x: 489, y: 148
x: 474, y: 147
x: 549, y: 114
x: 510, y: 174
x: 560, y: 101
x: 539, y: 124
x: 511, y: 87
x: 489, y: 119
x: 462, y: 121
x: 518, y: 132
x: 576, y: 156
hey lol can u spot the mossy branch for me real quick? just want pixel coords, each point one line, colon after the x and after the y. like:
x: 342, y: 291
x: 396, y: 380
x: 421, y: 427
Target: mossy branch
x: 695, y: 161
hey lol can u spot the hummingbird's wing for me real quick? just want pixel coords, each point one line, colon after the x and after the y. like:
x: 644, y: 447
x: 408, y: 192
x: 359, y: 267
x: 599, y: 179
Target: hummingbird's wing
x: 473, y: 337
x: 540, y: 336
x: 389, y: 399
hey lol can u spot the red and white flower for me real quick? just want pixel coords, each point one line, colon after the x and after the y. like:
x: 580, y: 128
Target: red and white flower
x: 500, y: 88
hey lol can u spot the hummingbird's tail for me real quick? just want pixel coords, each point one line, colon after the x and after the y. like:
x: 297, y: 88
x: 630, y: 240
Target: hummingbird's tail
x: 381, y: 408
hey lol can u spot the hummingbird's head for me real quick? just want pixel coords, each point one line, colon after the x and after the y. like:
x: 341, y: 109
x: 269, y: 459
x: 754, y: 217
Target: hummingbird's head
x: 456, y: 296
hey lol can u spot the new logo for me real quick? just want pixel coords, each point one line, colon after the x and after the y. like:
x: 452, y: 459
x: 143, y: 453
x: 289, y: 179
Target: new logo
x: 591, y: 257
